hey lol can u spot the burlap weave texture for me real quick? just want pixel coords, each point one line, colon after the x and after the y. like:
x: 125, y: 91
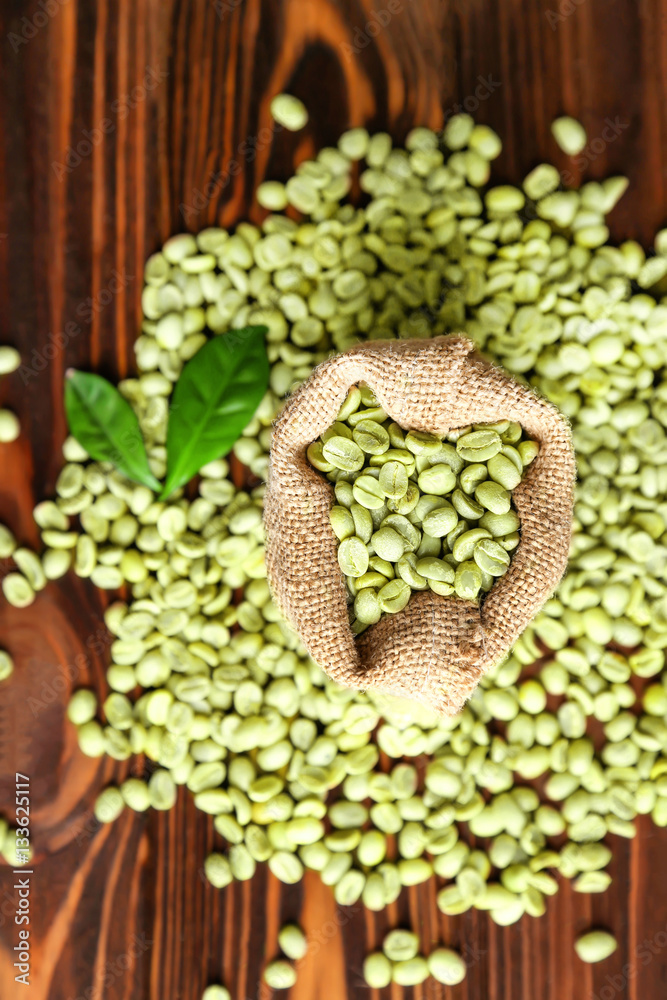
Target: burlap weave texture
x: 437, y: 648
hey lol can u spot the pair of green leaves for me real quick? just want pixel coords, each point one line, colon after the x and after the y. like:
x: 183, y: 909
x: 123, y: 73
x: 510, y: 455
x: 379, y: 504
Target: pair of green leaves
x: 214, y: 399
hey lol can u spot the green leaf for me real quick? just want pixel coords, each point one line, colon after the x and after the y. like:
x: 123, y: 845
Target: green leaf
x: 106, y: 426
x: 214, y: 399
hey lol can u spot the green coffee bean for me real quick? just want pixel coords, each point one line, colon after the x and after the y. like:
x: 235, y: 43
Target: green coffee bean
x: 162, y: 790
x: 393, y: 480
x: 241, y: 863
x: 351, y: 404
x: 286, y: 867
x: 17, y: 590
x: 394, y: 596
x: 31, y: 567
x: 109, y: 805
x: 279, y: 975
x: 595, y: 946
x: 344, y: 454
x: 353, y: 557
x: 8, y: 542
x: 464, y: 546
x: 135, y: 794
x: 377, y: 970
x: 6, y: 665
x: 216, y: 992
x: 528, y: 451
x: 471, y: 476
x: 342, y: 522
x: 289, y: 112
x: 315, y: 454
x: 217, y: 870
x: 500, y: 525
x: 467, y: 581
x: 569, y: 134
x: 10, y: 360
x: 493, y: 497
x: 354, y: 143
x: 479, y: 446
x: 368, y: 492
x: 410, y: 972
x: 82, y: 706
x: 363, y: 522
x: 437, y: 479
x: 367, y: 605
x: 293, y: 941
x: 414, y: 871
x: 542, y: 180
x: 407, y: 570
x: 400, y: 945
x: 504, y: 472
x: 91, y: 739
x: 372, y: 848
x: 465, y: 506
x: 432, y: 568
x: 388, y: 544
x: 371, y: 436
x: 592, y: 882
x: 271, y: 195
x: 348, y: 891
x: 56, y: 563
x: 491, y: 557
x: 440, y: 521
x: 446, y: 966
x: 10, y: 427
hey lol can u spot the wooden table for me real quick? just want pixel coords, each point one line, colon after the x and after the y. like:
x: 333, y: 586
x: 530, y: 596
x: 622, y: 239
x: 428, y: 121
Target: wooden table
x: 122, y: 123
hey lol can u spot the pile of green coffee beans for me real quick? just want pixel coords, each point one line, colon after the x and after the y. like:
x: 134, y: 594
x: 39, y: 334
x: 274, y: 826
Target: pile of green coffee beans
x: 415, y: 512
x: 223, y: 698
x: 400, y: 962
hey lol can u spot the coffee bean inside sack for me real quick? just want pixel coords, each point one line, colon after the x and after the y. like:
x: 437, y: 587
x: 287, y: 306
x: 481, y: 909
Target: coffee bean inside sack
x: 417, y: 512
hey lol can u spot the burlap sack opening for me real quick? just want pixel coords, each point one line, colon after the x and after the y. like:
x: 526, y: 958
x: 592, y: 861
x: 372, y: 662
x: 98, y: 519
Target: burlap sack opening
x: 437, y: 648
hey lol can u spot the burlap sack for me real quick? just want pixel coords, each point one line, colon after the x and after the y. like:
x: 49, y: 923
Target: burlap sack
x: 437, y: 648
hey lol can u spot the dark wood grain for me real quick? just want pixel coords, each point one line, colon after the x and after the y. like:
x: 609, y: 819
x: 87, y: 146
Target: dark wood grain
x: 123, y: 912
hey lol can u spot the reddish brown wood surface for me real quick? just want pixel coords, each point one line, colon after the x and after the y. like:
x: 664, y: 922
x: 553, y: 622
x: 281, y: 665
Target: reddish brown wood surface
x: 156, y: 100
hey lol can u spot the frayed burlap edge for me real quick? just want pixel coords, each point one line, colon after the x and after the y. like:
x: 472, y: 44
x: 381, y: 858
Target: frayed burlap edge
x: 437, y: 648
